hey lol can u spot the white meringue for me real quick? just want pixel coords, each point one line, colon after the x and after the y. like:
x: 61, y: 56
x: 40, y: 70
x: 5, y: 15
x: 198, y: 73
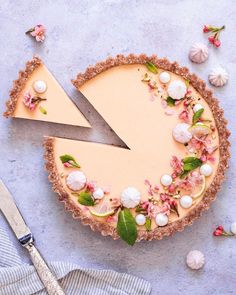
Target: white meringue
x: 177, y: 89
x: 195, y: 259
x: 130, y: 197
x: 218, y: 77
x: 233, y: 228
x: 181, y: 133
x: 40, y: 86
x: 186, y: 202
x: 164, y: 77
x: 206, y: 170
x: 161, y: 219
x: 198, y: 53
x: 166, y: 180
x: 197, y: 107
x: 140, y: 219
x: 98, y: 194
x: 76, y: 180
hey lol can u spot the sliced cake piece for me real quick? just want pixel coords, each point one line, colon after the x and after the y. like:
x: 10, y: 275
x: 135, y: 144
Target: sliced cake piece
x: 37, y: 95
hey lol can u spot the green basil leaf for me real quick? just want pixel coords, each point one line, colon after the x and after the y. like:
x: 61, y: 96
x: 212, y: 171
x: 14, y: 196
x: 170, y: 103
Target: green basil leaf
x: 126, y: 226
x: 151, y: 67
x: 43, y: 110
x: 170, y: 101
x: 85, y: 198
x: 197, y: 116
x: 184, y: 174
x: 148, y: 224
x: 190, y: 163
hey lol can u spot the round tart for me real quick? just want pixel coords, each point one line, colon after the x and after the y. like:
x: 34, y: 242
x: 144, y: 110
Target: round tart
x: 156, y: 186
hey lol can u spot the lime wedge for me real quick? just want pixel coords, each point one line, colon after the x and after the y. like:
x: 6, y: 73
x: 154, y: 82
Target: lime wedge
x: 199, y: 129
x: 101, y: 210
x: 203, y: 186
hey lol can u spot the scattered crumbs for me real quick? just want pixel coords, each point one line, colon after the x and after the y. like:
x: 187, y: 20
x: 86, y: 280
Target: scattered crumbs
x: 62, y: 175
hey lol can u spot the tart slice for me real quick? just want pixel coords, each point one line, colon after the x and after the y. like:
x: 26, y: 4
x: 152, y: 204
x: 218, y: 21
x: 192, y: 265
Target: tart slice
x: 168, y: 176
x: 37, y: 95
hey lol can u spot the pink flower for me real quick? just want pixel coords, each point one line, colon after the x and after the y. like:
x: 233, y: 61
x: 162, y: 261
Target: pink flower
x: 184, y: 116
x: 217, y: 43
x: 90, y: 186
x: 211, y: 39
x: 171, y: 188
x: 164, y: 197
x: 164, y: 103
x: 185, y: 184
x: 115, y: 203
x: 165, y: 208
x: 177, y: 165
x: 206, y: 29
x: 28, y: 101
x: 38, y: 32
x: 152, y: 210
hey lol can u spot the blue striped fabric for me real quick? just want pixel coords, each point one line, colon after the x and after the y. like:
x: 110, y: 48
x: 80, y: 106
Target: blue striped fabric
x: 21, y: 279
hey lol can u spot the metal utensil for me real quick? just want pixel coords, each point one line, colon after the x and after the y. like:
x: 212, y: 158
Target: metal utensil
x: 25, y: 237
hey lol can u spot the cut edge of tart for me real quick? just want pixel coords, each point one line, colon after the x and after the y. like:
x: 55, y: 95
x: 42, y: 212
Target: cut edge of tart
x: 37, y: 95
x: 210, y: 193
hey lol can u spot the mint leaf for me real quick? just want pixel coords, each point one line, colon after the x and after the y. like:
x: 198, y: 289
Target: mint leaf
x: 126, y: 226
x: 151, y: 67
x: 197, y: 116
x: 42, y: 110
x: 69, y: 159
x: 190, y: 163
x: 85, y: 198
x: 148, y: 224
x: 170, y: 101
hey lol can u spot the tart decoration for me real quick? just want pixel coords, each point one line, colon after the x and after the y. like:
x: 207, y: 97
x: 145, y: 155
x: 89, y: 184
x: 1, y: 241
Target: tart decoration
x: 177, y: 157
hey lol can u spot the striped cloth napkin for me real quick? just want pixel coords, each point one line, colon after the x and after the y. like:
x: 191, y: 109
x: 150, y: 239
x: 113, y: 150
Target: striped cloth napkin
x: 17, y: 278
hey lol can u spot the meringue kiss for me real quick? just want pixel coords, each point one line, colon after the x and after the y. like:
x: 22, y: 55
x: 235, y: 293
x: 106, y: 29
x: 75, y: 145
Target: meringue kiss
x: 198, y: 53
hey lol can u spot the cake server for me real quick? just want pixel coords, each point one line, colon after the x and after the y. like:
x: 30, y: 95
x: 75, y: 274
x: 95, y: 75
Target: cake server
x: 25, y: 237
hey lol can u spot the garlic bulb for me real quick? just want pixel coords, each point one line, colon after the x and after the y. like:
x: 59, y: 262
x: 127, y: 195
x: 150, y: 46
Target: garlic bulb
x: 218, y: 77
x: 195, y: 259
x: 198, y: 53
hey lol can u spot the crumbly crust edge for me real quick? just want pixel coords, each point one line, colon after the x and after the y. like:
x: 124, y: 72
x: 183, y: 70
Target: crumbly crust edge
x: 209, y: 195
x: 18, y: 85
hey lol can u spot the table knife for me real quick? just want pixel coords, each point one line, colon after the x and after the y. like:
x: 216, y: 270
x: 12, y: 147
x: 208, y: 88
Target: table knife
x: 25, y: 237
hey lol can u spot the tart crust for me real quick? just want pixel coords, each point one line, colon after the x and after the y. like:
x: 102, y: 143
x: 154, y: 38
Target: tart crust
x: 18, y: 85
x: 210, y: 194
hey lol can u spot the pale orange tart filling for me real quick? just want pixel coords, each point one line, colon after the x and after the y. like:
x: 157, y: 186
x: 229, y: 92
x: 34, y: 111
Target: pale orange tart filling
x: 177, y: 143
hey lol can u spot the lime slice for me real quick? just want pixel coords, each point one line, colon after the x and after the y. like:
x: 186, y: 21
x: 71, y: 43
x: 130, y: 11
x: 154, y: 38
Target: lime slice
x: 199, y: 129
x: 203, y: 186
x: 103, y: 209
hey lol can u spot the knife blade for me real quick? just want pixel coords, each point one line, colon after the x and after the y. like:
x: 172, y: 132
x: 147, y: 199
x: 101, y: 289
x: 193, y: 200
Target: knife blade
x: 25, y: 237
x: 12, y: 214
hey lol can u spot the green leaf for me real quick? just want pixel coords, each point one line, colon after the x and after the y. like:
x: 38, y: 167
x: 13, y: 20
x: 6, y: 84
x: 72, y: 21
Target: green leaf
x: 170, y: 101
x: 151, y: 67
x: 197, y: 116
x: 69, y: 159
x: 190, y: 163
x: 85, y: 198
x: 148, y: 224
x: 187, y: 82
x: 43, y: 110
x: 126, y: 226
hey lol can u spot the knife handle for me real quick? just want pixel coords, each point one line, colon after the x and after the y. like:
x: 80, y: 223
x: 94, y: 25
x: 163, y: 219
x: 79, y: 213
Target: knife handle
x: 48, y: 279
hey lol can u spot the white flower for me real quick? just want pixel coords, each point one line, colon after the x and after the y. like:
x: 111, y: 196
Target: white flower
x: 181, y: 133
x: 130, y: 197
x: 76, y: 180
x: 177, y: 89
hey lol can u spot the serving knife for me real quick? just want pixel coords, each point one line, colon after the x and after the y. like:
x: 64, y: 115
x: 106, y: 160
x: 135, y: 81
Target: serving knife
x: 25, y: 237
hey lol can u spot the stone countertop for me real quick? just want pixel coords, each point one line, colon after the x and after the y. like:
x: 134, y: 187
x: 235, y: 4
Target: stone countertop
x: 80, y: 33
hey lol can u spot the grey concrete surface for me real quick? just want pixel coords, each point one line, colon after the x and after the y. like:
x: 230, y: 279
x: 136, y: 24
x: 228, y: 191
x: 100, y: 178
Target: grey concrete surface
x: 83, y: 32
